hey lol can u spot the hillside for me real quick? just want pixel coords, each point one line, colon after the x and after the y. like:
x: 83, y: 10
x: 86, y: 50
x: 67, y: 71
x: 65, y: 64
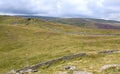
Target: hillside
x: 25, y: 42
x: 87, y: 22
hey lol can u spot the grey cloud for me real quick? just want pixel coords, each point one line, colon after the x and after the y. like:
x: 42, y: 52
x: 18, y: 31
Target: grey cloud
x: 108, y: 9
x: 15, y: 7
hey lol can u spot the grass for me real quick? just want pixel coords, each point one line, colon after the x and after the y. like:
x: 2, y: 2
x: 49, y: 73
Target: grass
x: 24, y: 45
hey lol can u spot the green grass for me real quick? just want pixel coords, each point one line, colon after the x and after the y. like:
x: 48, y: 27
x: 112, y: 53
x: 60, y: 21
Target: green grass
x: 24, y: 45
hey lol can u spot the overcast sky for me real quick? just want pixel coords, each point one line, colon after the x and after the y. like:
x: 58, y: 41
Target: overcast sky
x: 105, y: 9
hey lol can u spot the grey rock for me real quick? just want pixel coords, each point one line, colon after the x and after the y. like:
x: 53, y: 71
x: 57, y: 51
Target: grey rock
x: 82, y: 72
x: 103, y: 68
x: 65, y: 72
x: 34, y: 70
x: 12, y: 72
x: 69, y: 67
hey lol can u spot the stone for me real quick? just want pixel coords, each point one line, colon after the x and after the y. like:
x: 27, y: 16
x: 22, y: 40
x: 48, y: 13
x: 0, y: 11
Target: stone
x: 69, y: 67
x: 82, y: 72
x: 62, y: 72
x: 34, y: 70
x: 105, y: 67
x: 12, y: 72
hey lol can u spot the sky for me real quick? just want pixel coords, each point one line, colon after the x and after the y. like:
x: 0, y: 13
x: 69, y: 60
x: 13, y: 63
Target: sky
x: 102, y: 9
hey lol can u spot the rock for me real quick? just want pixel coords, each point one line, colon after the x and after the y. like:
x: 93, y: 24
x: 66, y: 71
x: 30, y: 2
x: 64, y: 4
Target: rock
x: 65, y: 72
x: 48, y: 63
x: 82, y: 72
x: 69, y: 67
x: 105, y: 67
x: 12, y: 72
x: 27, y: 71
x: 34, y: 70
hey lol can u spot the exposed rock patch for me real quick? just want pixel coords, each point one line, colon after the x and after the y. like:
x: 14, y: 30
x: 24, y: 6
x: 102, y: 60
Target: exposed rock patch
x: 48, y: 63
x: 64, y: 58
x: 12, y: 72
x: 105, y: 67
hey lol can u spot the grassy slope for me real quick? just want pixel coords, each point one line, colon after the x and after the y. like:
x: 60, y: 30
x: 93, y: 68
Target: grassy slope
x: 23, y: 45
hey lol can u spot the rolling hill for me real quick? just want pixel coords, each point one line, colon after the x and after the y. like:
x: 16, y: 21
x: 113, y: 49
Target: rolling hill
x: 87, y: 22
x: 25, y: 42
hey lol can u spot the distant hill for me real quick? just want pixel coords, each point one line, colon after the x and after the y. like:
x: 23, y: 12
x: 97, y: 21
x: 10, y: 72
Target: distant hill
x: 80, y: 22
x: 88, y: 22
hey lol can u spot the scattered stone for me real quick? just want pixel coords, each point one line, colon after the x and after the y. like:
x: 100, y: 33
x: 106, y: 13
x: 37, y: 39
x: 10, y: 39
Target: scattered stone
x: 82, y: 72
x: 69, y: 67
x: 48, y: 63
x: 105, y: 67
x: 64, y: 58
